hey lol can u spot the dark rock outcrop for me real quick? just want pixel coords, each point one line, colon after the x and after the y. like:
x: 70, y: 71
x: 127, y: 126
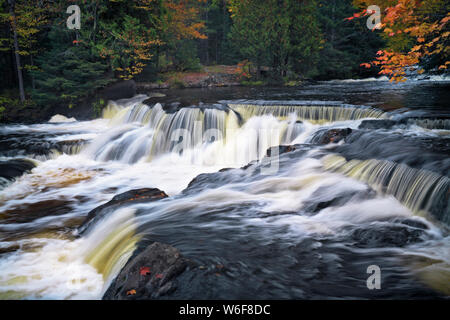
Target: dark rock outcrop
x: 149, y: 275
x: 387, y: 235
x: 132, y: 196
x: 377, y: 124
x: 11, y: 169
x: 333, y: 135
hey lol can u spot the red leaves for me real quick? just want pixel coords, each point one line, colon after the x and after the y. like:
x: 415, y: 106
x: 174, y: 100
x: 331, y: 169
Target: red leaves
x: 159, y: 276
x: 365, y: 65
x: 143, y: 271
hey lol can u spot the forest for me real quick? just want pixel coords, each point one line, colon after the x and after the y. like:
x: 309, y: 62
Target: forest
x: 43, y: 62
x: 279, y: 42
x: 255, y: 150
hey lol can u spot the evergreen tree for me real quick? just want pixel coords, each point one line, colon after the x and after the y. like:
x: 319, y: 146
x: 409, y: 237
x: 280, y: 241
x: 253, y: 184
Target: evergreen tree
x: 66, y: 72
x: 347, y: 44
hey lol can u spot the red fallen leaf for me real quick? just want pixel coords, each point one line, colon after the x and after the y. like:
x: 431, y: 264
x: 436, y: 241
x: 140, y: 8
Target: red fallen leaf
x: 379, y: 52
x: 391, y: 34
x: 349, y: 18
x: 143, y: 271
x: 76, y: 41
x: 159, y: 276
x: 131, y: 292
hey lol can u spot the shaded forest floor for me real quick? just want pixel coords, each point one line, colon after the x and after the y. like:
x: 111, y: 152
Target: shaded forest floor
x: 208, y: 76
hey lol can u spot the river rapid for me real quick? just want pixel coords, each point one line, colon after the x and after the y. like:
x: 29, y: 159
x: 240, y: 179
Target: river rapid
x: 303, y: 224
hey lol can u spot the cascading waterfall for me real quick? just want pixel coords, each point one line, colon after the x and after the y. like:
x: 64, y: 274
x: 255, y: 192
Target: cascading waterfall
x: 310, y: 112
x: 422, y: 191
x: 143, y: 132
x: 136, y: 150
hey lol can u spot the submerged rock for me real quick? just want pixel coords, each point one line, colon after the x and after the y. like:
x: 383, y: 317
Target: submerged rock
x: 132, y: 196
x: 151, y: 274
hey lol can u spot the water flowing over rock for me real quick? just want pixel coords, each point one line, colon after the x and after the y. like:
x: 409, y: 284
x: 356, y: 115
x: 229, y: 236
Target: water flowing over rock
x: 60, y: 118
x: 132, y: 196
x: 269, y: 199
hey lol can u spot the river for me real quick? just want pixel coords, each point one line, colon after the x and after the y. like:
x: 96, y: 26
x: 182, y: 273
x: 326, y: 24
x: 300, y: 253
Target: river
x: 304, y: 225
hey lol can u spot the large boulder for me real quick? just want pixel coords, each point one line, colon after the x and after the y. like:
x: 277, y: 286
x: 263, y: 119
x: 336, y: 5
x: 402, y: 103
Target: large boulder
x: 149, y: 275
x: 129, y: 197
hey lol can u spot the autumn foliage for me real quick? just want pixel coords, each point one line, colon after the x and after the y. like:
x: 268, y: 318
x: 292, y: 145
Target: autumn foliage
x: 417, y: 33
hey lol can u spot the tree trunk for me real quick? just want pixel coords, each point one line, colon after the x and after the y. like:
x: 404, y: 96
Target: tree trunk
x: 16, y: 50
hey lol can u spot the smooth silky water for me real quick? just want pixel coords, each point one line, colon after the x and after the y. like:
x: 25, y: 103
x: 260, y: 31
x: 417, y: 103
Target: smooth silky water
x: 308, y: 229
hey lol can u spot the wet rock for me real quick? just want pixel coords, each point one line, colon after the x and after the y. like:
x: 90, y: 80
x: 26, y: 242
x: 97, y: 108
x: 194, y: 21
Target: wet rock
x: 325, y: 197
x: 70, y: 146
x: 132, y: 196
x: 173, y: 107
x: 11, y: 169
x: 377, y: 124
x: 387, y: 235
x: 207, y: 181
x: 333, y: 135
x: 282, y: 150
x: 149, y: 275
x: 28, y: 212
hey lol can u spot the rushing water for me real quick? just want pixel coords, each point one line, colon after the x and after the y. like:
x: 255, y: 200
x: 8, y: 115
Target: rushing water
x: 304, y: 225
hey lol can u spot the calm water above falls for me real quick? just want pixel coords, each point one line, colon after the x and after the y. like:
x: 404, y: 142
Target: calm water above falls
x: 308, y: 229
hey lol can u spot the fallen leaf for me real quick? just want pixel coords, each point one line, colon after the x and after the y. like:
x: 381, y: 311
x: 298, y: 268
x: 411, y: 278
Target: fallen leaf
x: 143, y: 271
x: 131, y: 292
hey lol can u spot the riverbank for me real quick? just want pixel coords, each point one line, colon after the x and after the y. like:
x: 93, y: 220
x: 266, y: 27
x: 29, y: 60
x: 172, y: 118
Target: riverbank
x: 207, y: 76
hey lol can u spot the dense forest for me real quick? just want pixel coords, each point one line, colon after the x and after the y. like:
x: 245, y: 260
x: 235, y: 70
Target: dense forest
x: 44, y: 62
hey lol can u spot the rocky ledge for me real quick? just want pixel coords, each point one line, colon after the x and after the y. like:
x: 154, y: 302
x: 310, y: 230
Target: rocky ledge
x: 149, y: 275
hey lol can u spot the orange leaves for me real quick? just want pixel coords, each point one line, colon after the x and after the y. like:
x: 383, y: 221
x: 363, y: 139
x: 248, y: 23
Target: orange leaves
x: 131, y: 292
x: 365, y: 65
x: 405, y: 22
x: 184, y: 20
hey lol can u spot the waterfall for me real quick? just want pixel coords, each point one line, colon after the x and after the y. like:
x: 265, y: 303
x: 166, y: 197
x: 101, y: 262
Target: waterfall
x: 422, y: 191
x: 310, y: 112
x: 312, y: 194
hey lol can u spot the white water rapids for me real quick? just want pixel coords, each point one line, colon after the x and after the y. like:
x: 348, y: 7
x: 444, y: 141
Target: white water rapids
x: 136, y: 146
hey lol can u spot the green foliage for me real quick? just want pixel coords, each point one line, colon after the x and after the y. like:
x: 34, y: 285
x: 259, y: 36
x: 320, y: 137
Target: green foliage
x: 98, y: 106
x: 185, y: 57
x: 177, y: 83
x: 283, y: 35
x: 68, y: 72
